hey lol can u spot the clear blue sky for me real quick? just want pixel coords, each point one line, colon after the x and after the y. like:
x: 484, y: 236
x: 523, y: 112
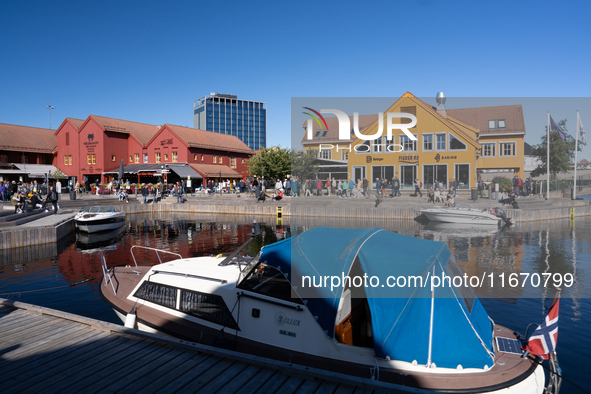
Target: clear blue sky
x: 148, y: 61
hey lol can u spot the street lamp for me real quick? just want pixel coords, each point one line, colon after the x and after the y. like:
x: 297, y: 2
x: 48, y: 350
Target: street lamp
x: 49, y: 107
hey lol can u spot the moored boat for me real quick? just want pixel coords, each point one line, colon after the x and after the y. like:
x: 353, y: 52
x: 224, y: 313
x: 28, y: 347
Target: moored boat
x: 93, y: 219
x: 466, y: 215
x: 286, y: 304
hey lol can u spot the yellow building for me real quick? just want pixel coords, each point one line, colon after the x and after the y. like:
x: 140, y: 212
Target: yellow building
x: 458, y: 144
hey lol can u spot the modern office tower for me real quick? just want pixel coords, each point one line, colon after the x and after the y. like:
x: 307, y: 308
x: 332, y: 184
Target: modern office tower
x: 225, y: 114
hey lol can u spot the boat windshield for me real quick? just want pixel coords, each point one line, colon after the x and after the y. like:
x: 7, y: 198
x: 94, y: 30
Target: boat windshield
x: 84, y: 209
x: 106, y: 209
x: 95, y: 209
x: 270, y: 281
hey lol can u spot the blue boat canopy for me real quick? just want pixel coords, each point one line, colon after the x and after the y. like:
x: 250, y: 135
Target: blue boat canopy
x: 444, y: 325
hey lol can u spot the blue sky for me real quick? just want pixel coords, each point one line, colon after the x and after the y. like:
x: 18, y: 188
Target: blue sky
x: 148, y: 61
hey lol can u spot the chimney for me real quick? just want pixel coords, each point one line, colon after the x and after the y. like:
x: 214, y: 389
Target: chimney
x: 441, y: 104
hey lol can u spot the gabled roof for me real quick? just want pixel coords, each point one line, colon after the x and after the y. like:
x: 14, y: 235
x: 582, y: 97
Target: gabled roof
x: 140, y: 131
x: 26, y: 139
x: 196, y: 138
x: 332, y: 134
x: 479, y: 117
x: 77, y: 123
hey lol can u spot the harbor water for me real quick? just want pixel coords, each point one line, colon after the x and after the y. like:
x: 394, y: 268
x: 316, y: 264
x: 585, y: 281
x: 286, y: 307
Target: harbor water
x: 65, y: 276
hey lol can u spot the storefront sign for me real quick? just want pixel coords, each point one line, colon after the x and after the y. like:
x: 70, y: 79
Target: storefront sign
x: 409, y: 159
x: 166, y: 142
x: 438, y: 157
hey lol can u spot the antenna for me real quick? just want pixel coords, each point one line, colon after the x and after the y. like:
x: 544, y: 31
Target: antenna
x: 49, y: 107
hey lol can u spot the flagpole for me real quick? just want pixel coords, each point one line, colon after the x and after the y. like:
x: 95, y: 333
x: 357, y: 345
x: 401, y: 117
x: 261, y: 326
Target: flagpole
x: 576, y: 149
x: 548, y: 159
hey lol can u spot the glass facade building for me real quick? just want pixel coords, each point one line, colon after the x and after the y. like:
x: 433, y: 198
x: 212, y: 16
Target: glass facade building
x: 224, y: 113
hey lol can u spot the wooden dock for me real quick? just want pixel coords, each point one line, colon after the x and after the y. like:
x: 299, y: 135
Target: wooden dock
x: 47, y: 351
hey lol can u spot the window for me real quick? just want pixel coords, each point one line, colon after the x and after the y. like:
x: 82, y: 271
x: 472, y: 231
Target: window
x: 68, y: 139
x: 507, y: 148
x: 363, y: 148
x: 112, y: 157
x: 70, y: 160
x: 497, y: 124
x: 220, y: 160
x: 317, y: 134
x: 232, y: 162
x: 269, y: 281
x: 326, y: 154
x: 166, y: 157
x: 488, y: 150
x: 65, y: 160
x: 130, y: 159
x: 344, y: 154
x: 175, y: 156
x: 158, y: 294
x: 427, y: 142
x: 440, y: 142
x: 90, y: 159
x: 377, y: 146
x: 93, y: 159
x: 136, y: 158
x: 3, y: 158
x: 408, y: 110
x: 215, y: 159
x: 145, y: 158
x: 157, y: 157
x: 455, y: 144
x: 408, y: 144
x: 208, y: 307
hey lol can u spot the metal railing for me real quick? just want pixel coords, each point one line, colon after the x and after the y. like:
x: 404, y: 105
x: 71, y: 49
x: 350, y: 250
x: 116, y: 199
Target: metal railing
x: 154, y: 249
x: 105, y: 272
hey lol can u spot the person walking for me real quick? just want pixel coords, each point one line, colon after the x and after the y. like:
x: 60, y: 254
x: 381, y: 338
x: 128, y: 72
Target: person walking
x: 318, y: 187
x: 307, y: 186
x: 51, y: 198
x: 144, y: 192
x: 418, y: 186
x: 351, y: 187
x: 328, y: 185
x: 480, y: 187
x: 155, y: 194
x: 396, y: 187
x: 359, y: 187
x: 345, y: 186
x: 365, y: 186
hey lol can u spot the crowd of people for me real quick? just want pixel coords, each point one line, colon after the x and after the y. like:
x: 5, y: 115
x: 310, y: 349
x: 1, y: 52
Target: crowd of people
x: 27, y: 196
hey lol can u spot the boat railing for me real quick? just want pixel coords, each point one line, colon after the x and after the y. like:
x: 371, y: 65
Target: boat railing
x: 154, y: 249
x: 106, y: 273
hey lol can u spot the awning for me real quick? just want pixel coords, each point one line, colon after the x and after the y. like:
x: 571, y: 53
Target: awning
x: 183, y: 170
x: 214, y: 171
x: 37, y: 170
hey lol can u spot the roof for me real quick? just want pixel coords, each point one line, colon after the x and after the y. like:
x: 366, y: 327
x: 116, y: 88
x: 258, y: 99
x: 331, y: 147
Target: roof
x: 332, y: 134
x: 76, y: 122
x: 402, y: 317
x: 213, y: 171
x: 209, y: 140
x: 26, y: 139
x: 141, y: 131
x: 181, y: 169
x: 526, y: 149
x: 479, y: 117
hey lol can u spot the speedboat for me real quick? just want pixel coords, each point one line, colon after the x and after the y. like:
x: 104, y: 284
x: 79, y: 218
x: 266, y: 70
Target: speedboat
x: 95, y: 219
x: 328, y: 299
x: 466, y: 215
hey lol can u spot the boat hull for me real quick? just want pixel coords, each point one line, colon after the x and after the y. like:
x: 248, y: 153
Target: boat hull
x: 461, y: 217
x: 95, y: 225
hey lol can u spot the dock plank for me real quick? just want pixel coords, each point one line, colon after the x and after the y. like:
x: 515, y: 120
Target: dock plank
x: 273, y: 384
x: 257, y: 381
x: 310, y: 386
x: 215, y: 385
x: 234, y: 385
x: 182, y: 380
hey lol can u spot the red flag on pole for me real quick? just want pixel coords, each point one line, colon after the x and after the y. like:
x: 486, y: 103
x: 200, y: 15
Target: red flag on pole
x: 542, y: 342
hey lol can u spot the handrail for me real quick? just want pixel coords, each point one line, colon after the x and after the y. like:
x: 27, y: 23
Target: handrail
x: 105, y: 271
x: 154, y: 249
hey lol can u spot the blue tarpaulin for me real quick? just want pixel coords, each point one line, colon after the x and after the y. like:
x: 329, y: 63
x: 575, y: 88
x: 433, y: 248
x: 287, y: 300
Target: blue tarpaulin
x: 415, y: 322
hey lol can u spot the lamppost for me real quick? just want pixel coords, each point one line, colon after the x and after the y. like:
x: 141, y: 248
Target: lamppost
x: 220, y: 184
x: 49, y: 107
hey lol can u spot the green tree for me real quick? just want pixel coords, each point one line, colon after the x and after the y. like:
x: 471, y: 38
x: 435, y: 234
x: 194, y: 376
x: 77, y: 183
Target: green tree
x: 58, y: 174
x: 562, y: 153
x: 271, y: 163
x: 303, y: 164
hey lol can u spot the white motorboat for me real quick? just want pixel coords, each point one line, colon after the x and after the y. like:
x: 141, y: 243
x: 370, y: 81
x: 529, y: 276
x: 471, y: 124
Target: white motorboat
x: 466, y: 215
x: 273, y: 306
x: 95, y: 219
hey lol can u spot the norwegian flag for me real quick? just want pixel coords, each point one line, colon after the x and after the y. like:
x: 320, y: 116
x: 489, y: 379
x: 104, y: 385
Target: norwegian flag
x: 542, y: 342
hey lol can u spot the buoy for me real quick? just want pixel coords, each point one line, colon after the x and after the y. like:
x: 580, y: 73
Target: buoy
x: 130, y: 320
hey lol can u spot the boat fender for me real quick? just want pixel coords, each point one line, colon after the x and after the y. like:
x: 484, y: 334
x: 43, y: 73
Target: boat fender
x: 433, y: 366
x: 459, y: 367
x: 486, y: 368
x: 414, y: 363
x: 130, y: 320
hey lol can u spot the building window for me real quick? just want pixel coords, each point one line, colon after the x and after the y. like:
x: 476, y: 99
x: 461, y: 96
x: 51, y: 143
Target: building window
x: 497, y: 124
x: 215, y: 159
x: 70, y: 160
x: 407, y: 144
x: 440, y: 142
x: 507, y: 148
x: 202, y: 158
x: 130, y: 159
x: 93, y: 159
x: 326, y: 154
x: 456, y: 144
x: 220, y: 160
x: 174, y: 156
x: 427, y: 142
x: 377, y: 146
x: 488, y: 150
x: 136, y: 158
x: 157, y: 157
x: 112, y: 157
x: 195, y: 157
x: 145, y: 158
x: 65, y: 160
x: 232, y: 162
x: 362, y: 149
x: 344, y: 154
x: 88, y: 159
x: 166, y: 157
x: 68, y: 139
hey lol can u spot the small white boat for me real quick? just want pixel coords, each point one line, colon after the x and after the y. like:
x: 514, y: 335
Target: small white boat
x: 466, y: 215
x: 95, y: 219
x: 437, y: 339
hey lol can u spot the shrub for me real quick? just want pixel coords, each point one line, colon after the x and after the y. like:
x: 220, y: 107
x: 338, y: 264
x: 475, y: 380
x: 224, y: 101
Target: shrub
x: 505, y: 183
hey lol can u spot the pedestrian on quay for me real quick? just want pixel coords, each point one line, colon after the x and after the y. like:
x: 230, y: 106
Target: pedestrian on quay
x: 307, y: 187
x: 155, y: 194
x: 51, y: 198
x: 418, y: 186
x: 318, y: 187
x: 345, y: 188
x: 328, y: 185
x: 365, y: 186
x: 144, y: 192
x: 351, y: 187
